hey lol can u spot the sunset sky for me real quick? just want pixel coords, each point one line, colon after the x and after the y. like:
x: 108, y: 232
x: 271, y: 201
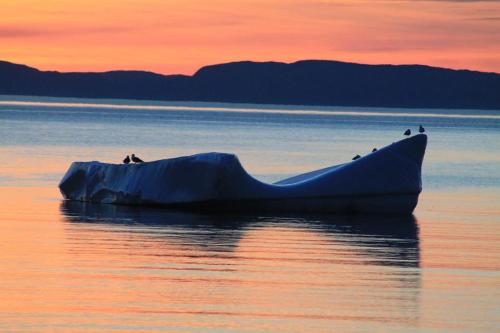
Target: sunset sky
x: 179, y: 36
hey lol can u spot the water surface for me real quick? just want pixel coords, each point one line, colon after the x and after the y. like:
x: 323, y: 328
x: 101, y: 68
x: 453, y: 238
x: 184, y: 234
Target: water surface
x: 72, y: 267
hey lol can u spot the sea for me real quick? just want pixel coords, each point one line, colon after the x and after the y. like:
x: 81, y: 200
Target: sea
x: 68, y: 267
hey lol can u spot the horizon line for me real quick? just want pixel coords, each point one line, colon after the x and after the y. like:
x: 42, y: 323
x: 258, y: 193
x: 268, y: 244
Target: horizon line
x: 251, y: 108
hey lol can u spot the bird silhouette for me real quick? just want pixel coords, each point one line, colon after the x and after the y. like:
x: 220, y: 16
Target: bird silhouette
x: 421, y: 129
x: 374, y: 150
x: 126, y: 160
x: 136, y: 159
x: 356, y: 157
x: 407, y: 132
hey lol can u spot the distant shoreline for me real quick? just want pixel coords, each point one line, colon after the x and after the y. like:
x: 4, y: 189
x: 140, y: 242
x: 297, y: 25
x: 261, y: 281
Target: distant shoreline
x: 311, y: 83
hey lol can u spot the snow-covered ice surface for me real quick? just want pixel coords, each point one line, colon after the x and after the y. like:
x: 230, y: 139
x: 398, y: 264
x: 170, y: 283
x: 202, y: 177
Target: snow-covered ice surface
x: 388, y: 180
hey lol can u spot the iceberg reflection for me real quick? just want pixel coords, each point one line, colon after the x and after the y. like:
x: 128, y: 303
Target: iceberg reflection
x: 381, y: 239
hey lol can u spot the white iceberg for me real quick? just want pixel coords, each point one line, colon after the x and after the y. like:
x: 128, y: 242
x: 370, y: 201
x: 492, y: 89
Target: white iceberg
x: 386, y: 181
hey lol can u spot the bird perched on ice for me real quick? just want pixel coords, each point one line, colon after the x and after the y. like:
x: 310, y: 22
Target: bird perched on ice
x: 126, y: 160
x: 421, y: 129
x: 136, y: 159
x: 407, y: 132
x: 374, y: 150
x: 356, y: 157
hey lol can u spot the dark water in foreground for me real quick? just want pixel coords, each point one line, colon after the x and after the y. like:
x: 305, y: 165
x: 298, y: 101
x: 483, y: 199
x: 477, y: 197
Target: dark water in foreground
x: 70, y: 267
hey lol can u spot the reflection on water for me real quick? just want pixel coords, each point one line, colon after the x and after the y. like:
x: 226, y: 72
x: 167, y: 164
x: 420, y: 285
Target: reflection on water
x: 203, y: 231
x: 350, y: 272
x: 385, y: 239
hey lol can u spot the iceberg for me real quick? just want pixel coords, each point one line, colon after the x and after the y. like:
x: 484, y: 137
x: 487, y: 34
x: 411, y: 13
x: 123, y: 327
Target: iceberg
x: 385, y: 181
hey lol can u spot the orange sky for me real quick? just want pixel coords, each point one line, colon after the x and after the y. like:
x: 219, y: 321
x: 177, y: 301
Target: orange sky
x: 179, y: 36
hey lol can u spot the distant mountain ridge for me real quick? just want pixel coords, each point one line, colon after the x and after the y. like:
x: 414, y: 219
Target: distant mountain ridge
x: 307, y: 82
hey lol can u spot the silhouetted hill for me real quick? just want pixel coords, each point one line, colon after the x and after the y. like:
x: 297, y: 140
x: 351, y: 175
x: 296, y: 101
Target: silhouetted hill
x: 310, y: 82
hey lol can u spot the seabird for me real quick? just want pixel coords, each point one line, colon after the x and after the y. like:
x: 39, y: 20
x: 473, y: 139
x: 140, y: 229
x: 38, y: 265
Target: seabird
x: 126, y: 160
x: 136, y: 159
x: 408, y: 132
x: 356, y: 157
x: 421, y: 129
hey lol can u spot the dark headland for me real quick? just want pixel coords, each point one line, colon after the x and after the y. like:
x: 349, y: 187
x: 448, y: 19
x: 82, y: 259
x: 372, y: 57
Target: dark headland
x: 310, y: 82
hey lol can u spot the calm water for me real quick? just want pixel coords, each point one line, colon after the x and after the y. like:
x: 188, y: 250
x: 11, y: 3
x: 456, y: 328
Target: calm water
x: 69, y: 267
